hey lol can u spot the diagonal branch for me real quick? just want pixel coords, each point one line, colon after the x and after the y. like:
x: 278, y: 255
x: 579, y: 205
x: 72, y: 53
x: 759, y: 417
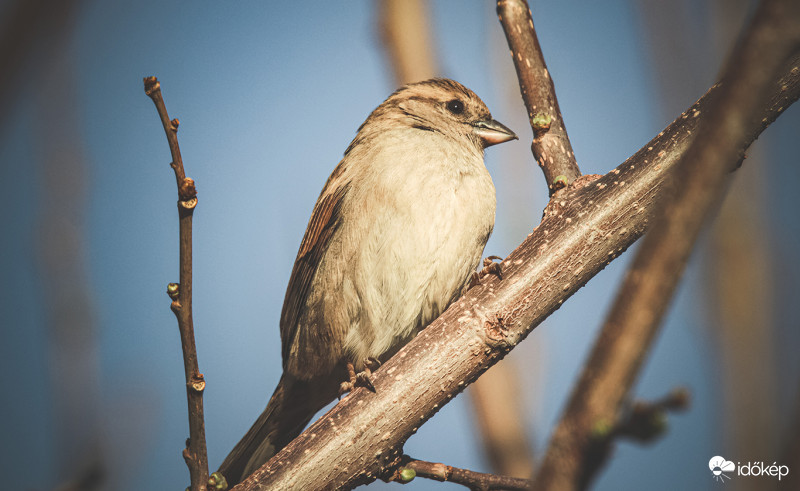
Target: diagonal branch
x: 699, y: 183
x: 195, y: 453
x: 551, y: 147
x: 584, y: 227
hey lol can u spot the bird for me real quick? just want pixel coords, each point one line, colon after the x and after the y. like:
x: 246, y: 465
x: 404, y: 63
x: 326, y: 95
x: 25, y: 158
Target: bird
x: 394, y: 238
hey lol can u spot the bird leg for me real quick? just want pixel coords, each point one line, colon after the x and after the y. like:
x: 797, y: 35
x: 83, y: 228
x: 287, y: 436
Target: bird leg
x: 360, y: 379
x: 489, y: 267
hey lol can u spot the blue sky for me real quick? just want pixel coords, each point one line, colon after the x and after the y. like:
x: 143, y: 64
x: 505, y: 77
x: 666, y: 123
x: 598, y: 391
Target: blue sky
x: 269, y: 95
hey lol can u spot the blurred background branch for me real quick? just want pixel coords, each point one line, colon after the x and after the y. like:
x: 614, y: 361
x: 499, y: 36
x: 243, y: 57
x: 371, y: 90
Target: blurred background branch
x: 32, y: 34
x: 405, y: 31
x: 751, y: 73
x: 73, y: 352
x: 738, y: 276
x: 35, y: 46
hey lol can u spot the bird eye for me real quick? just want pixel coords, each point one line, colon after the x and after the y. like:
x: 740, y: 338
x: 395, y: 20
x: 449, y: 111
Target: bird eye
x: 455, y: 106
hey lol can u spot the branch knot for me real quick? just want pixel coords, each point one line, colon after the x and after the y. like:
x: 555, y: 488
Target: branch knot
x: 496, y: 330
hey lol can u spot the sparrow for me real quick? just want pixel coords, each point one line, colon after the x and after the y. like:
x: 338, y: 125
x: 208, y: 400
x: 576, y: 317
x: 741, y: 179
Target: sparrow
x: 394, y: 238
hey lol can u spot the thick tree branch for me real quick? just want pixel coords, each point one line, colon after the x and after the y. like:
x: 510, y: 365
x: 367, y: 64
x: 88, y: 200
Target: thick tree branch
x: 551, y: 147
x: 699, y: 183
x: 585, y: 226
x: 195, y: 452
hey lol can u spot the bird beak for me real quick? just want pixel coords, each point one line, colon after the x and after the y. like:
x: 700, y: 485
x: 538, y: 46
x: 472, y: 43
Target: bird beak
x: 492, y: 132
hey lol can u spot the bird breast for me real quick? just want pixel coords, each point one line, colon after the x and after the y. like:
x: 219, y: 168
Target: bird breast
x: 431, y: 210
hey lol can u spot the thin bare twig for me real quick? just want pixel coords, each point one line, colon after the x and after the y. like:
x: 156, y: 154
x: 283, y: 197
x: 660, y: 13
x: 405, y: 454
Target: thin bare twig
x: 698, y: 183
x: 195, y: 453
x: 551, y: 147
x: 476, y: 481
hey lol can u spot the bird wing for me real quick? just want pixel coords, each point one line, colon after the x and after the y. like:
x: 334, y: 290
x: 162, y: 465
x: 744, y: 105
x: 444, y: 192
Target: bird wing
x: 324, y: 221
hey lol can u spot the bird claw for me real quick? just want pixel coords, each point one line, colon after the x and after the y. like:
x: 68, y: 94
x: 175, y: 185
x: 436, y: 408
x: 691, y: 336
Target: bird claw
x: 489, y: 267
x: 360, y: 379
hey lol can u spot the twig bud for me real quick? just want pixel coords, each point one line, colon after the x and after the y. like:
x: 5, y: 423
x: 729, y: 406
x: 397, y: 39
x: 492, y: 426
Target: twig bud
x: 173, y: 290
x: 559, y: 182
x: 540, y: 122
x: 151, y: 85
x: 198, y: 383
x: 187, y: 189
x: 217, y: 482
x: 406, y: 474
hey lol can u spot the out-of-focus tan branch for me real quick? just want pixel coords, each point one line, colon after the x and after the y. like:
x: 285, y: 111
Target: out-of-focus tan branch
x: 501, y: 423
x: 405, y: 31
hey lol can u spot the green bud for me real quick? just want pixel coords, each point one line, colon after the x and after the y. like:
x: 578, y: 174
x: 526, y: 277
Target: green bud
x: 217, y: 481
x: 601, y: 429
x: 407, y: 474
x: 541, y: 122
x: 173, y: 290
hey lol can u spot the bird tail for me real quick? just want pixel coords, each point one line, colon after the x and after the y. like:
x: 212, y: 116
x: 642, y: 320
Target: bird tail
x: 289, y: 410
